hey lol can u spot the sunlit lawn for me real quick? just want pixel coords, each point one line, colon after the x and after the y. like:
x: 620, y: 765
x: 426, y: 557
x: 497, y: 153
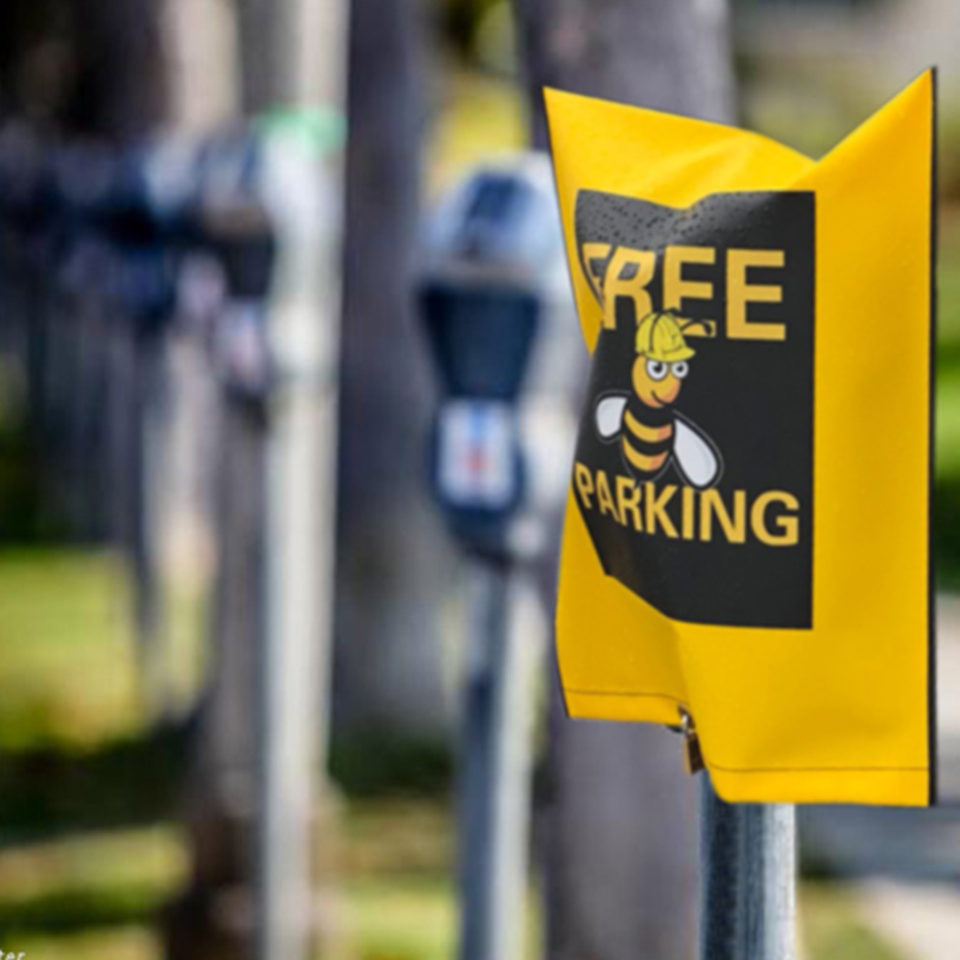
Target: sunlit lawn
x: 94, y: 895
x: 396, y: 894
x: 68, y: 661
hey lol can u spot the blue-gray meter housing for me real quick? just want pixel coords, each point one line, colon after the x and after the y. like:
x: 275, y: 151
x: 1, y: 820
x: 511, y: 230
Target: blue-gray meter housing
x: 480, y: 338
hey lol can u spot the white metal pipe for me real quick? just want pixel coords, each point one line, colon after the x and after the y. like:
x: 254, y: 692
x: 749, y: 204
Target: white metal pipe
x: 497, y: 759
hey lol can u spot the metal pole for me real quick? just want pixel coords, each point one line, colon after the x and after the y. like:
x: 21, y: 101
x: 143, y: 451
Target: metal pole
x: 748, y: 895
x: 300, y: 44
x: 495, y: 777
x: 299, y: 550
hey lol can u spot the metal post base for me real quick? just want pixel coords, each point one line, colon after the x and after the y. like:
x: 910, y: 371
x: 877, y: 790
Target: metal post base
x: 748, y: 900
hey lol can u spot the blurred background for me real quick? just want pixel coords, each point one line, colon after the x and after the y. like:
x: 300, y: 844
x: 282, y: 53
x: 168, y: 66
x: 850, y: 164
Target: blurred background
x: 212, y: 222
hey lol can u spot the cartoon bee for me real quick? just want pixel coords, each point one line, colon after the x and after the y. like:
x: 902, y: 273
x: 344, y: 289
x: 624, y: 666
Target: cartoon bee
x: 652, y: 434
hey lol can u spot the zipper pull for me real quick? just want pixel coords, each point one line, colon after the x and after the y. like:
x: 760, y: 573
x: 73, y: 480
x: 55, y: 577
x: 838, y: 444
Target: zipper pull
x: 693, y: 755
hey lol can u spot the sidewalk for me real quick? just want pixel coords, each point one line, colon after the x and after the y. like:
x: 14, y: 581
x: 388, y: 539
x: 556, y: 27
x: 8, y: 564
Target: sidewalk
x: 948, y: 698
x: 921, y: 921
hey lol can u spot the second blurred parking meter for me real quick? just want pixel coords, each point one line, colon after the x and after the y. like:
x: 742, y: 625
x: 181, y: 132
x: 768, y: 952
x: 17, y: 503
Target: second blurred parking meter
x: 235, y: 225
x: 496, y: 308
x: 268, y: 214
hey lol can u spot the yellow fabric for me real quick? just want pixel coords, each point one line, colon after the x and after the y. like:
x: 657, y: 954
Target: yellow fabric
x: 838, y: 712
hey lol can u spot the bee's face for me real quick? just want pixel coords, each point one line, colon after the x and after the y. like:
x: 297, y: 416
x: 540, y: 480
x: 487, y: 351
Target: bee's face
x: 656, y: 382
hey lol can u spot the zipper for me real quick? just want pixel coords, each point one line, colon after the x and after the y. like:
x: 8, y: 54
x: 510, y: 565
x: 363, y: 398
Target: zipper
x: 693, y: 755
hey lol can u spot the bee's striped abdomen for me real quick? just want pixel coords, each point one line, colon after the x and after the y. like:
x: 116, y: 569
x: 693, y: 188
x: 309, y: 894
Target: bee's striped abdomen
x: 647, y: 437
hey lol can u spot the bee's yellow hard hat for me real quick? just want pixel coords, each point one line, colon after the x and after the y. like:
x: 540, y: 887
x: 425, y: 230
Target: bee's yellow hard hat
x: 660, y: 337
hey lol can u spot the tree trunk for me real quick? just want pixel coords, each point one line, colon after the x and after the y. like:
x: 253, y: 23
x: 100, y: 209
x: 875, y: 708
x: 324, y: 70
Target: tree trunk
x: 89, y: 66
x: 121, y: 88
x: 391, y: 554
x: 668, y: 56
x: 620, y: 829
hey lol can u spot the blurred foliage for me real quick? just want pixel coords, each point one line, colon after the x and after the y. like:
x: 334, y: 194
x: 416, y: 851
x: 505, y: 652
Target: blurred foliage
x: 948, y: 155
x: 813, y: 108
x: 478, y: 116
x: 459, y: 20
x: 372, y: 764
x: 398, y: 871
x: 947, y: 491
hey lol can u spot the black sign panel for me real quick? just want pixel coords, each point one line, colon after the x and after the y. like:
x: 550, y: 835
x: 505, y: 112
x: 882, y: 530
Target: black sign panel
x: 694, y: 466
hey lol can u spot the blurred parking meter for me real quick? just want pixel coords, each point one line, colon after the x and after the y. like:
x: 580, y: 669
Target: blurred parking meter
x: 269, y: 215
x: 497, y: 314
x: 254, y: 210
x: 237, y: 231
x: 113, y: 251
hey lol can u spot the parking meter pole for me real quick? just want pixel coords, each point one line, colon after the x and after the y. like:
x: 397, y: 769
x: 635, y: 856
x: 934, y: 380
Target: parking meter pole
x: 488, y: 616
x: 495, y: 777
x: 748, y: 888
x: 496, y: 314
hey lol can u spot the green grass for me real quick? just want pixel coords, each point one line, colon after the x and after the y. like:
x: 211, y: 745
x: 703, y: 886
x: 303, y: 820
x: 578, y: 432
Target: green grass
x: 412, y: 918
x: 396, y: 894
x: 69, y: 676
x: 72, y: 885
x: 118, y: 877
x: 134, y: 942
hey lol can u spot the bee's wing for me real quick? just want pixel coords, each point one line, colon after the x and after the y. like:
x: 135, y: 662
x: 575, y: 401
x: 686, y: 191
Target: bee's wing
x: 608, y: 415
x: 697, y: 457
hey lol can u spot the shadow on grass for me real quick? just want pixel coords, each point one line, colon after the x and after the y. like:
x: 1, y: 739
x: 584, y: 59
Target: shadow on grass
x: 70, y: 911
x: 49, y: 792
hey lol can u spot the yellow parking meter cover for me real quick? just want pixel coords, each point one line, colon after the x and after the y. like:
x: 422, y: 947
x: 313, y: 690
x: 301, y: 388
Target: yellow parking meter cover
x: 747, y: 534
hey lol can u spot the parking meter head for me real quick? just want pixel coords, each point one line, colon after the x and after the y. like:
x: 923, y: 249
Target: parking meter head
x: 491, y: 279
x: 480, y: 336
x: 233, y: 217
x: 235, y: 226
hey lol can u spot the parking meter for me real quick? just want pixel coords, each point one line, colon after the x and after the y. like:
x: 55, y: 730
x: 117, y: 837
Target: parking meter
x: 496, y: 310
x: 207, y: 199
x: 234, y: 225
x: 118, y: 254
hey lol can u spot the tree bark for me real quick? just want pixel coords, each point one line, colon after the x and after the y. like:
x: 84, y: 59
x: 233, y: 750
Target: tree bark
x: 391, y: 553
x: 667, y: 56
x: 95, y: 67
x: 121, y: 88
x: 620, y: 828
